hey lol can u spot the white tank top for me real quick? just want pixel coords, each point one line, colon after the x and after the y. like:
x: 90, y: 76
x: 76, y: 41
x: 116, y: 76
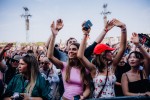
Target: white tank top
x: 99, y: 81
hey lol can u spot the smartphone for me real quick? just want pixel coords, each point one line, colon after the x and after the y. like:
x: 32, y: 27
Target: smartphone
x: 77, y: 97
x: 87, y: 25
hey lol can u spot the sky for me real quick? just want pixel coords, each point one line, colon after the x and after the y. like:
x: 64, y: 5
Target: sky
x: 134, y: 13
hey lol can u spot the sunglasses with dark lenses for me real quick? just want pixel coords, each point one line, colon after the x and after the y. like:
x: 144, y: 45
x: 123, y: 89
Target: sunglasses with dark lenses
x: 44, y: 63
x: 13, y: 60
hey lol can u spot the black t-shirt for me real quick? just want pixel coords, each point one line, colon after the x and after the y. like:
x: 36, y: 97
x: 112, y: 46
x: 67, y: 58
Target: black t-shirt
x: 9, y: 74
x: 119, y: 71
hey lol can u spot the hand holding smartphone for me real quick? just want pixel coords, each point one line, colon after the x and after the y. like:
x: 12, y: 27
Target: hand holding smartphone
x: 77, y: 97
x: 87, y: 25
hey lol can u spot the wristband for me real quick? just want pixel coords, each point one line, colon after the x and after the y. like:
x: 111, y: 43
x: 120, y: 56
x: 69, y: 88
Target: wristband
x: 123, y: 30
x: 106, y: 30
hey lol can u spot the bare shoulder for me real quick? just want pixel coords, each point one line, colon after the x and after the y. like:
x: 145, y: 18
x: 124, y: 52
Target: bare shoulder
x: 126, y: 74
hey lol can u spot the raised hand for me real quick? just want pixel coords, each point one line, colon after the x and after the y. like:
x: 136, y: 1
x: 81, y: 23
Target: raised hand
x: 59, y: 24
x: 86, y: 32
x: 109, y: 25
x: 8, y: 46
x: 135, y: 38
x: 55, y: 28
x: 118, y: 23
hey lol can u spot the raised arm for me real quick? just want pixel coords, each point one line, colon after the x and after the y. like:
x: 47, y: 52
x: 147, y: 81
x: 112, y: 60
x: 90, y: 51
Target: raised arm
x: 123, y: 41
x: 135, y: 40
x: 89, y: 50
x: 47, y: 42
x: 55, y: 29
x: 57, y: 53
x: 81, y: 56
x: 108, y: 26
x: 7, y: 47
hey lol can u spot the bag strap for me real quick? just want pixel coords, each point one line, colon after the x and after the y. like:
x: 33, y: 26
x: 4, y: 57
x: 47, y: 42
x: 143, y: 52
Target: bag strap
x: 103, y: 85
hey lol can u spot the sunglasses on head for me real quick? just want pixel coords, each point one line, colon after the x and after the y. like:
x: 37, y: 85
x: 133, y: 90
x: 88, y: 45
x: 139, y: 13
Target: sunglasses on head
x: 13, y: 60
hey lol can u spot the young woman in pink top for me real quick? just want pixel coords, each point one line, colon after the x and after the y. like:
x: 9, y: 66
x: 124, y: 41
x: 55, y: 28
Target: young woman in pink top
x: 74, y: 74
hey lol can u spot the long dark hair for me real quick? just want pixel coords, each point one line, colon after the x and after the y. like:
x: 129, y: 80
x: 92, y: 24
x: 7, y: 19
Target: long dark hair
x: 138, y: 55
x: 76, y: 62
x: 32, y: 71
x: 100, y: 61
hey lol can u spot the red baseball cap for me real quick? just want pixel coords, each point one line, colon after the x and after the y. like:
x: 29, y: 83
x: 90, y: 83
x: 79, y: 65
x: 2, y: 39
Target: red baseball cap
x: 101, y: 48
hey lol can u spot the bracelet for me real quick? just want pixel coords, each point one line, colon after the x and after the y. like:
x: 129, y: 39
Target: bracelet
x: 123, y: 26
x: 123, y: 30
x: 106, y: 30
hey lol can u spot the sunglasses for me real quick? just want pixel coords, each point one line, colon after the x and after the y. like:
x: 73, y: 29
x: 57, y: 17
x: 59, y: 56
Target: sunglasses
x: 44, y: 63
x: 13, y: 61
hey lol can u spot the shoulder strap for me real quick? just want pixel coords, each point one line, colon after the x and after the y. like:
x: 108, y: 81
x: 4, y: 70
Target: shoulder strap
x: 103, y: 86
x: 127, y: 76
x: 141, y: 74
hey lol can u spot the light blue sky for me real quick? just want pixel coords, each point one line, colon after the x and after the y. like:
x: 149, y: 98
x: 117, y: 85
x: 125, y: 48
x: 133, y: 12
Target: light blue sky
x: 134, y: 13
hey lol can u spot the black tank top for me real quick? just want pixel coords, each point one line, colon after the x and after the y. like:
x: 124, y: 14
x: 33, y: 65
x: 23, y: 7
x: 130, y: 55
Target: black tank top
x: 140, y: 86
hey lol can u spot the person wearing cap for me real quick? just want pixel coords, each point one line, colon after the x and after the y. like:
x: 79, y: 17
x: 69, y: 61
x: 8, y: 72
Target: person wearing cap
x: 12, y: 66
x: 30, y: 84
x: 103, y: 65
x: 74, y: 75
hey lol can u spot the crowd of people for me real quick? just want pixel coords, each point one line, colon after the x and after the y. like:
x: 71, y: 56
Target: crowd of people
x: 78, y: 71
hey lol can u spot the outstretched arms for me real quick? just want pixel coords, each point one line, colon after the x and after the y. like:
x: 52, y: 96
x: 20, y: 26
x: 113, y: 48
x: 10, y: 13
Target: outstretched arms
x: 123, y: 41
x: 81, y: 56
x: 55, y: 29
x: 108, y: 26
